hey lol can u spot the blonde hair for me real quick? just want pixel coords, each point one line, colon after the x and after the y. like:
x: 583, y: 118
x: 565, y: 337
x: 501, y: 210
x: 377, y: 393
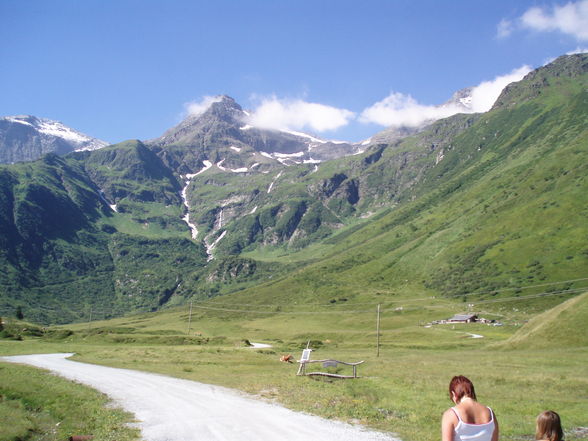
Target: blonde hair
x: 549, y: 426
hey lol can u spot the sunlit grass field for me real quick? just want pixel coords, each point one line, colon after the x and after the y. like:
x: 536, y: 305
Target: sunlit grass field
x: 402, y: 390
x: 35, y: 405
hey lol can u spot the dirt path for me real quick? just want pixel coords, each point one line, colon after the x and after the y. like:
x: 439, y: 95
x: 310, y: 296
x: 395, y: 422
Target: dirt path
x: 171, y: 409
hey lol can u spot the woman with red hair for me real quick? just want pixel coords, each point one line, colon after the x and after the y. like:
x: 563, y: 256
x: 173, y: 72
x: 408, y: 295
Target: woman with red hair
x: 468, y: 419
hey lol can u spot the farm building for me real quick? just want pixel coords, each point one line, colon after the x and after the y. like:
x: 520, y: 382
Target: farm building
x: 463, y: 318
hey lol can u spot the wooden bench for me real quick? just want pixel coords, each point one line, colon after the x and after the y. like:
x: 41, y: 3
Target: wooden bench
x: 305, y: 359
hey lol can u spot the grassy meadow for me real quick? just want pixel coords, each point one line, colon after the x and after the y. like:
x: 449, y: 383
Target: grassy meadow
x: 35, y: 405
x: 518, y: 369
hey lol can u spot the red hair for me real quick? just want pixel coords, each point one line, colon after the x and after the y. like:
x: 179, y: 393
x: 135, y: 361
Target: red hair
x: 461, y: 387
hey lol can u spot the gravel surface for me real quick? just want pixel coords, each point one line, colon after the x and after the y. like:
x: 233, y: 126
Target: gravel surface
x: 171, y: 409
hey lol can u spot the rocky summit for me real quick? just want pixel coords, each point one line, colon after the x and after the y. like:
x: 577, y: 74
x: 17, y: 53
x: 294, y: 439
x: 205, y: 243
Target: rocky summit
x: 26, y: 138
x: 224, y: 129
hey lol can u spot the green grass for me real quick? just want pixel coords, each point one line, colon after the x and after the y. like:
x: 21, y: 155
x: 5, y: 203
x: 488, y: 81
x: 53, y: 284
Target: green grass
x: 566, y: 325
x: 404, y: 390
x: 511, y: 216
x: 156, y: 220
x: 35, y: 405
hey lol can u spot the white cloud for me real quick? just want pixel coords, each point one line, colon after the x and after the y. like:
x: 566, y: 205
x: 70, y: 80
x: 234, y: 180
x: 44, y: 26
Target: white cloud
x: 571, y: 19
x: 578, y: 50
x: 199, y: 107
x: 485, y: 94
x: 285, y: 114
x: 398, y: 110
x: 504, y: 28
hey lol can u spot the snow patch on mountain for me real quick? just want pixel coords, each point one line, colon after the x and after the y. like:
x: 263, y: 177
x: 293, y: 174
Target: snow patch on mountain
x: 288, y: 155
x: 56, y: 129
x: 103, y: 197
x: 17, y: 120
x: 440, y: 156
x: 207, y: 165
x: 48, y: 127
x: 233, y: 170
x: 304, y: 135
x: 220, y: 165
x: 184, y: 194
x: 271, y: 186
x: 210, y: 247
x: 291, y: 158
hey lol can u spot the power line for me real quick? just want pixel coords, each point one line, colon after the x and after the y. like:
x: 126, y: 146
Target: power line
x: 331, y: 308
x: 504, y: 299
x: 282, y: 312
x: 514, y: 288
x: 532, y: 296
x: 104, y: 311
x: 404, y: 301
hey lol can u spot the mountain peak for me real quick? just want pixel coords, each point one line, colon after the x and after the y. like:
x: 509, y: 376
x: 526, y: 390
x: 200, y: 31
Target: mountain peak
x: 213, y: 114
x: 461, y: 99
x: 27, y: 137
x: 225, y: 107
x: 531, y: 86
x: 220, y: 105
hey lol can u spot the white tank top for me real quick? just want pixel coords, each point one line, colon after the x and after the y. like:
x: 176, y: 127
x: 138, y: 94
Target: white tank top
x: 474, y: 432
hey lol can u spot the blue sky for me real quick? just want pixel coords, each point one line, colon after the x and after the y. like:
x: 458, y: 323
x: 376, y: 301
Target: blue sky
x: 340, y: 69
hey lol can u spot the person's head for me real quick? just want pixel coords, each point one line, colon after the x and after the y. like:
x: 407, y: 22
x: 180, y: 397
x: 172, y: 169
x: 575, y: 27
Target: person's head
x: 461, y: 387
x: 549, y: 426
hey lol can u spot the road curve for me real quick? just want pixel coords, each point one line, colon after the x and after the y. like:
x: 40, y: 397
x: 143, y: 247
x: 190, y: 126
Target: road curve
x: 172, y: 409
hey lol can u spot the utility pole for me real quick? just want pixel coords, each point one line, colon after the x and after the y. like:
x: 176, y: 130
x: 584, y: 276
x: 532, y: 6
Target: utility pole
x: 190, y: 318
x: 90, y: 321
x: 378, y: 333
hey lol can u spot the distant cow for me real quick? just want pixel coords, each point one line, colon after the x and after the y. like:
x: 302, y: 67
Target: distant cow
x: 287, y: 358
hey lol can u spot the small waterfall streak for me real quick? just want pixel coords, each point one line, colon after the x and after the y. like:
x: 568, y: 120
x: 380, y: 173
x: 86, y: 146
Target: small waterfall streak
x: 273, y: 182
x: 211, y: 247
x: 184, y: 194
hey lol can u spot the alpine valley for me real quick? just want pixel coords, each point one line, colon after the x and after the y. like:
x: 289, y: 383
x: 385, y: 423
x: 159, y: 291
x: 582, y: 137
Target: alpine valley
x: 474, y: 205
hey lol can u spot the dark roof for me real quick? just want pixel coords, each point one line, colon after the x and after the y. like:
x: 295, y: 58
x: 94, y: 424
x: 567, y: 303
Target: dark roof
x: 463, y: 317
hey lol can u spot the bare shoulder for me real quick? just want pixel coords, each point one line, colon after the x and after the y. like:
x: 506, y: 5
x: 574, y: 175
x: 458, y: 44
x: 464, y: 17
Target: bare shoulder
x: 448, y: 424
x: 449, y: 416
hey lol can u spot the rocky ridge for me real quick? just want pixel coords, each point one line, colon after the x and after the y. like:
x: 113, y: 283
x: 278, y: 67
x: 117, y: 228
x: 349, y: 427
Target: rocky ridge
x: 27, y: 138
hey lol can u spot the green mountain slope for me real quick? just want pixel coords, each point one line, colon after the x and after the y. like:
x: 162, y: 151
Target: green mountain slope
x: 63, y: 257
x: 504, y: 210
x: 565, y: 325
x: 99, y: 234
x: 477, y: 207
x: 290, y: 208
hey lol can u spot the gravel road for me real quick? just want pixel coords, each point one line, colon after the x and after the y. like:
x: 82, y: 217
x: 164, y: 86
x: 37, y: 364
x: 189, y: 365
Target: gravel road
x: 171, y: 409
